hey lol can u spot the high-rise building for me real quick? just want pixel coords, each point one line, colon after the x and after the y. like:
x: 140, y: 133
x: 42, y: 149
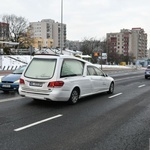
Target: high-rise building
x: 49, y: 29
x: 128, y: 43
x: 139, y: 43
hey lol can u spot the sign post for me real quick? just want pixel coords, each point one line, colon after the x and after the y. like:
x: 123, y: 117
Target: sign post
x: 103, y: 56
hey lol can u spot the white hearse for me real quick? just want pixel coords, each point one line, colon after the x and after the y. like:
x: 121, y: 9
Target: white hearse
x: 63, y: 78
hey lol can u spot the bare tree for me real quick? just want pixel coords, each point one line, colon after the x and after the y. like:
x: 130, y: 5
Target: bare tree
x: 17, y: 26
x: 88, y: 46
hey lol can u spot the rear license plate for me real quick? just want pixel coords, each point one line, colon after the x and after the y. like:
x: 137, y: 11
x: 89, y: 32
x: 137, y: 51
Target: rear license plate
x: 38, y: 84
x: 6, y: 85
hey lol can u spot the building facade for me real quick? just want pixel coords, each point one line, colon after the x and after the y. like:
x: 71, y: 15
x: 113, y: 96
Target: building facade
x: 49, y: 29
x: 4, y: 35
x: 40, y: 43
x: 127, y: 42
x: 73, y: 45
x: 4, y: 31
x: 139, y: 43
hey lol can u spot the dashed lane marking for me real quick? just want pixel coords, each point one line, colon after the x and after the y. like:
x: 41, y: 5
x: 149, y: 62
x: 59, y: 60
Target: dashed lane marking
x: 141, y: 86
x: 115, y: 95
x: 38, y: 122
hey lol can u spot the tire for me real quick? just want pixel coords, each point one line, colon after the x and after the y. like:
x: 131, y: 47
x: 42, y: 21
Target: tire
x: 74, y: 97
x: 6, y: 92
x: 146, y: 77
x: 36, y: 100
x: 111, y: 88
x: 17, y: 91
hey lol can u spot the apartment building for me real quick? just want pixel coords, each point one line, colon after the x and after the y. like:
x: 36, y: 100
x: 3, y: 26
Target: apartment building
x: 148, y: 53
x: 4, y: 31
x: 139, y: 43
x: 129, y: 43
x: 42, y: 43
x: 49, y: 29
x: 73, y: 45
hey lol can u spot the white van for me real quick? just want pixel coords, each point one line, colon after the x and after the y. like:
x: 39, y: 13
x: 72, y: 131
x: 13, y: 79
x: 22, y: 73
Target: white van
x: 63, y: 78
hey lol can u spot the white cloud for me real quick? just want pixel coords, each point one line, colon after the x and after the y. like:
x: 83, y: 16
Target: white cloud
x: 84, y: 18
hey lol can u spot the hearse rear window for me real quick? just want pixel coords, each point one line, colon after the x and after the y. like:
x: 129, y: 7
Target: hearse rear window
x: 41, y: 68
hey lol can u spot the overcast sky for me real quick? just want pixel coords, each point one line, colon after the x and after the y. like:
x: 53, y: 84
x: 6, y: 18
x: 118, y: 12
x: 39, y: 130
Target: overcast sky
x: 84, y: 18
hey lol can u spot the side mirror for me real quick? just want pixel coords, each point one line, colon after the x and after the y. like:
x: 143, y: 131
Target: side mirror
x: 106, y: 75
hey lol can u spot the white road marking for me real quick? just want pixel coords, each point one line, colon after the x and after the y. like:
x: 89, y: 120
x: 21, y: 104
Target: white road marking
x: 128, y: 78
x: 38, y: 122
x: 115, y: 95
x: 10, y: 99
x: 141, y: 86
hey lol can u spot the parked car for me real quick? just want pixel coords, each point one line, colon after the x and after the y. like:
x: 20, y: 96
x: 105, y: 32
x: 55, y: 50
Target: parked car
x: 147, y: 72
x: 10, y: 82
x: 63, y: 78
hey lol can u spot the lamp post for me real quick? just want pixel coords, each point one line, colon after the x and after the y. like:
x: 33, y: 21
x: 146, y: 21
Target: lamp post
x: 61, y: 34
x: 101, y: 59
x: 3, y: 34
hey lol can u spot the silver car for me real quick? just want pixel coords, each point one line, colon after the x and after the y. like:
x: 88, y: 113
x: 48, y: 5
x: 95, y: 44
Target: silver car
x: 147, y: 72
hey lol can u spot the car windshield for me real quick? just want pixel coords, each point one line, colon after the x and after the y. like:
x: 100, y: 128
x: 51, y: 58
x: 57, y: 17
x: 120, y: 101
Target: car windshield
x: 41, y: 68
x: 20, y: 70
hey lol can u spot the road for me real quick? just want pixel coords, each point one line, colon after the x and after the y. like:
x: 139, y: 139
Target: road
x: 102, y: 122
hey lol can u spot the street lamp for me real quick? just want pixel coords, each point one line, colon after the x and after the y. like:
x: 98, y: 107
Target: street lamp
x: 101, y: 58
x: 61, y: 40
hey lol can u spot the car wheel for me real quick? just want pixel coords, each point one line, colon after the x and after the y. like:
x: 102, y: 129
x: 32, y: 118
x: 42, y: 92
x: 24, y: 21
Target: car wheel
x: 6, y: 92
x: 111, y: 88
x: 146, y: 77
x: 17, y: 91
x: 74, y: 97
x: 36, y: 100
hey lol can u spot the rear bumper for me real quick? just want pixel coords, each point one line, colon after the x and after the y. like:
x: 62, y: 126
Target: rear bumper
x: 53, y: 96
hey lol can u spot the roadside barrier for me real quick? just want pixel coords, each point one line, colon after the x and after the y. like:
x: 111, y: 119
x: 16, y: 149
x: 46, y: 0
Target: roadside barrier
x: 13, y: 62
x: 10, y: 67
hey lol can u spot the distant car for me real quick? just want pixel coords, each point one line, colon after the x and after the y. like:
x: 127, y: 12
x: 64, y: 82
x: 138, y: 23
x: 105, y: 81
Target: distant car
x: 147, y: 72
x: 10, y: 82
x: 63, y: 78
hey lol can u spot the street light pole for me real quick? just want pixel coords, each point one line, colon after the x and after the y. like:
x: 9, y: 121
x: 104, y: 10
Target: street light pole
x: 101, y: 59
x: 61, y: 40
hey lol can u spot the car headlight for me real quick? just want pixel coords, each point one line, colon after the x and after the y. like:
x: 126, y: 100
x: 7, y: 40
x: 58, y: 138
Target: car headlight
x: 16, y: 81
x: 1, y: 78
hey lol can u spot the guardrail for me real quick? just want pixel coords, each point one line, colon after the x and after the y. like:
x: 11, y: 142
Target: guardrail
x: 13, y: 62
x: 10, y: 67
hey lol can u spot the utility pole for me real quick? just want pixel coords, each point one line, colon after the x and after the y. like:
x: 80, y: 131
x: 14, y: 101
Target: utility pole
x: 61, y: 40
x: 101, y: 60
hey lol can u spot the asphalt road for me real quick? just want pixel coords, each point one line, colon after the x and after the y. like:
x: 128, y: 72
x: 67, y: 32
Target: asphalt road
x: 102, y: 122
